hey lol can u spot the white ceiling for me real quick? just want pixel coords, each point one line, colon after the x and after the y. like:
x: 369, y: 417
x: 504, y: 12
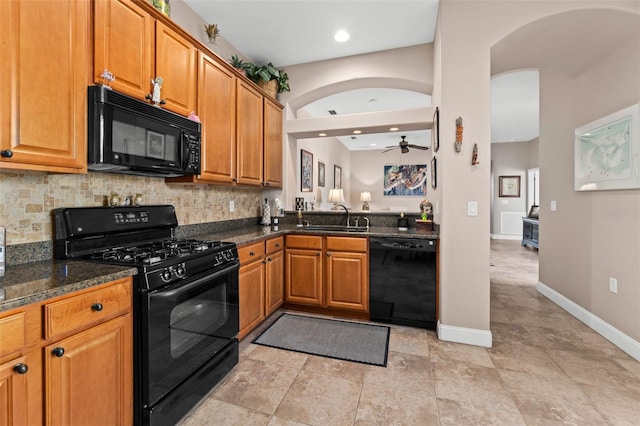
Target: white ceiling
x: 288, y: 32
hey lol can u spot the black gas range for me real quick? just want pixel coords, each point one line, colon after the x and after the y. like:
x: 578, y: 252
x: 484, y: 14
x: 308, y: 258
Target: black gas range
x: 186, y: 316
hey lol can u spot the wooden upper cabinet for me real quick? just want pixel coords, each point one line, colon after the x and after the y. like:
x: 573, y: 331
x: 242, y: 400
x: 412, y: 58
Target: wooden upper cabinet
x: 136, y: 48
x: 124, y: 36
x: 43, y: 85
x: 217, y: 111
x: 176, y: 64
x: 249, y: 113
x: 272, y: 144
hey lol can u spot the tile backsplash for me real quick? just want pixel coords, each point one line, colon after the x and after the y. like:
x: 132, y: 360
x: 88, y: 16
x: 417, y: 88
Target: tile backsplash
x: 27, y: 199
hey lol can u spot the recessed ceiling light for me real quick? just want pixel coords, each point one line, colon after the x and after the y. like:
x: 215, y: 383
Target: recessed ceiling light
x: 372, y: 144
x: 341, y: 36
x: 357, y: 132
x: 322, y: 134
x: 393, y: 129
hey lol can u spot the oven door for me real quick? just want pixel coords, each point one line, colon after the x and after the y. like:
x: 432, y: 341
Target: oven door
x: 183, y: 327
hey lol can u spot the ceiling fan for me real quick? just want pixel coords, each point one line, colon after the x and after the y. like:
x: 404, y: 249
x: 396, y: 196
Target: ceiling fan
x: 404, y: 146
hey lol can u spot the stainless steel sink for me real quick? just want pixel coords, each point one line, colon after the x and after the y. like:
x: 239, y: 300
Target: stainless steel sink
x: 335, y: 228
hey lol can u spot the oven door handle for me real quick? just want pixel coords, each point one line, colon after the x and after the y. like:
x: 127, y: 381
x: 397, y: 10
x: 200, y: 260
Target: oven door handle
x: 180, y: 288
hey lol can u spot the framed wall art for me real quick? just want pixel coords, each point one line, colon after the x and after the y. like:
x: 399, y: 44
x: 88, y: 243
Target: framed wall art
x: 434, y: 165
x: 435, y: 130
x: 509, y: 186
x: 405, y: 179
x: 320, y: 174
x: 337, y: 176
x: 607, y: 152
x: 306, y: 171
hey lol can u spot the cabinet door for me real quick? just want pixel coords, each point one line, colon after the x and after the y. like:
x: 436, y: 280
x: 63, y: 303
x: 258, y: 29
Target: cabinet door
x: 274, y: 284
x: 91, y: 382
x: 249, y: 134
x: 304, y: 276
x: 251, y: 278
x: 124, y: 45
x: 43, y: 85
x: 13, y: 393
x: 217, y: 111
x: 272, y: 144
x: 176, y: 64
x: 347, y: 280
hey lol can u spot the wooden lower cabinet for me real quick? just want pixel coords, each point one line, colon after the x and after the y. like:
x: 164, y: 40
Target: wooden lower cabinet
x: 260, y: 282
x: 87, y: 379
x: 81, y: 375
x: 328, y: 272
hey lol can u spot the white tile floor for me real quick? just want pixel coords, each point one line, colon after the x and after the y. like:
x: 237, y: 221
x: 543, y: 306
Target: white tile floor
x: 545, y: 368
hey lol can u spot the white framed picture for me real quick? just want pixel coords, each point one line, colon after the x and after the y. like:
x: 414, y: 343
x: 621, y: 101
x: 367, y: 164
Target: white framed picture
x: 607, y: 152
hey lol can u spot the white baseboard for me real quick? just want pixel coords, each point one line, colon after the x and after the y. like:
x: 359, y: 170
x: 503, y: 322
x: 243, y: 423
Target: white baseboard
x: 469, y: 336
x: 505, y: 237
x: 606, y: 330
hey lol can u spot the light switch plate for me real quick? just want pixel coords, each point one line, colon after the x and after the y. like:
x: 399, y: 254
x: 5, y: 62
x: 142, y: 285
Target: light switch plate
x: 232, y: 206
x: 554, y: 205
x: 472, y: 208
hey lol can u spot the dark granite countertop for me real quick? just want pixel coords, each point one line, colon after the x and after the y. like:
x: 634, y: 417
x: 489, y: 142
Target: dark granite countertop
x: 36, y: 281
x: 257, y: 233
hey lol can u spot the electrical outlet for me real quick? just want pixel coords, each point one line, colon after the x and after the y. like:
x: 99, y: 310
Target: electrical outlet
x: 232, y: 206
x: 613, y: 285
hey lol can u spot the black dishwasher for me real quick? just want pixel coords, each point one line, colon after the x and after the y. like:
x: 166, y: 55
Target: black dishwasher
x: 403, y: 281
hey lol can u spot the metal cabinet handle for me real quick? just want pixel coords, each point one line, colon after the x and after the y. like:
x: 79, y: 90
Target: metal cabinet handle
x: 252, y: 253
x: 328, y: 254
x: 96, y: 307
x: 7, y: 153
x: 58, y: 351
x: 21, y: 368
x: 269, y: 259
x: 277, y: 244
x: 318, y: 254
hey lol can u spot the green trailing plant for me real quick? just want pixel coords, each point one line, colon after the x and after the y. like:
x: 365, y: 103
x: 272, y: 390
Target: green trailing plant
x: 266, y: 73
x: 239, y: 63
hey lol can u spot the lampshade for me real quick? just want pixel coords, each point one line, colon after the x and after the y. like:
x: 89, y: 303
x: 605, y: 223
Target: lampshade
x: 336, y: 195
x: 365, y: 197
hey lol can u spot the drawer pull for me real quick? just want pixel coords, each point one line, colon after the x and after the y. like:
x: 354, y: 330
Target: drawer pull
x: 21, y: 368
x: 96, y: 307
x: 318, y: 254
x: 277, y: 244
x: 252, y: 253
x: 58, y: 351
x: 328, y: 254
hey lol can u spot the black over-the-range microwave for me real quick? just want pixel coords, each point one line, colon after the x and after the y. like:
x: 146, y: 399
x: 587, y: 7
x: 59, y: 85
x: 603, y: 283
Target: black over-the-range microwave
x: 130, y: 136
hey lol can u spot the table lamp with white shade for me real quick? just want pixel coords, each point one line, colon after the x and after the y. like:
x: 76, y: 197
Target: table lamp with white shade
x: 336, y: 196
x: 365, y: 197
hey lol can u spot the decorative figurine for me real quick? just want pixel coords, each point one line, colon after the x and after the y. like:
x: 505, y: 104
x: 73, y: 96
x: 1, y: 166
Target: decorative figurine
x: 114, y: 199
x: 458, y: 144
x: 474, y: 157
x: 155, y: 96
x: 107, y: 77
x: 138, y: 200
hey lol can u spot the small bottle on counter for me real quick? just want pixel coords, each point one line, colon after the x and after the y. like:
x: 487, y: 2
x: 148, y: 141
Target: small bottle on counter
x: 299, y: 224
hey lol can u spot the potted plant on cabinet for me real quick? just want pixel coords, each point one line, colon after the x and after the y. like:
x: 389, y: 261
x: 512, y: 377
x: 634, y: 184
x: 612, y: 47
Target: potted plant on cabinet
x: 269, y: 78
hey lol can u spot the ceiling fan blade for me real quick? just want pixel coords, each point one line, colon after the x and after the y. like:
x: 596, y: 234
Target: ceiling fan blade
x: 391, y: 149
x: 391, y: 146
x: 419, y: 147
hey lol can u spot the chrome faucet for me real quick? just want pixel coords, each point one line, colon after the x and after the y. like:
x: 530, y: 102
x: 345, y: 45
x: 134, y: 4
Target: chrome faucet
x: 367, y: 219
x: 346, y: 210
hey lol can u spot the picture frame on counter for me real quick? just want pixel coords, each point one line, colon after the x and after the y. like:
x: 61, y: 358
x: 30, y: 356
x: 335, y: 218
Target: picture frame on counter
x: 509, y: 187
x: 434, y: 165
x: 306, y: 171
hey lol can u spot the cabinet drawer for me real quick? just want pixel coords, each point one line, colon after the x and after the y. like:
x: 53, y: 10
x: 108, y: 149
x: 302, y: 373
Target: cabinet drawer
x: 81, y: 311
x: 304, y: 242
x: 13, y: 333
x: 251, y: 252
x: 357, y: 244
x: 275, y: 244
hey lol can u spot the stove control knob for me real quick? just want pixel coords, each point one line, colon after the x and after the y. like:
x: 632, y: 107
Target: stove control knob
x: 166, y: 275
x: 180, y: 271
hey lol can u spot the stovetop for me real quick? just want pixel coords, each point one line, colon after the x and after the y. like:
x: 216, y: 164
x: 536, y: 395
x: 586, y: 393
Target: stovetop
x: 154, y: 252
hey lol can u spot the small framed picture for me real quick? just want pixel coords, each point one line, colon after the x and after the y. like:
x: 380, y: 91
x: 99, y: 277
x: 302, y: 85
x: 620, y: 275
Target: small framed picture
x: 337, y: 176
x: 155, y: 145
x: 435, y: 130
x: 434, y: 165
x: 509, y: 186
x: 306, y: 171
x: 533, y: 213
x: 320, y: 174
